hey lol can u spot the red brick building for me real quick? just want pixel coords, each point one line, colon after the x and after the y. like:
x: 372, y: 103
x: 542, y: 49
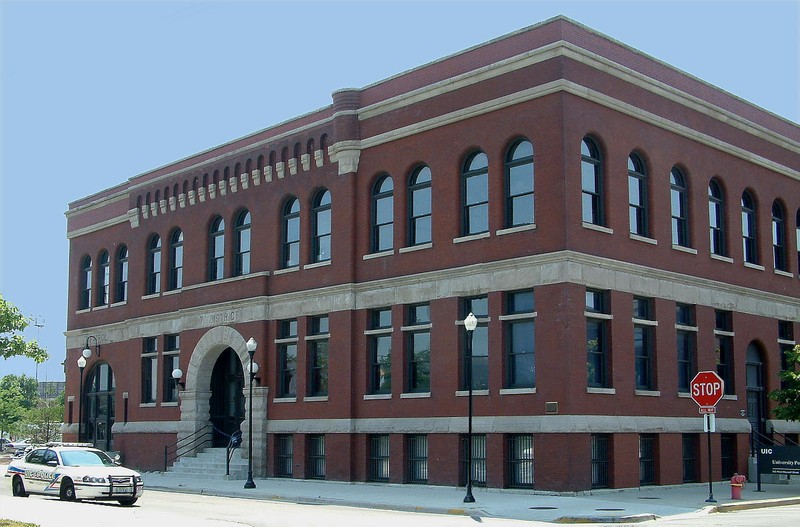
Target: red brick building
x: 615, y: 224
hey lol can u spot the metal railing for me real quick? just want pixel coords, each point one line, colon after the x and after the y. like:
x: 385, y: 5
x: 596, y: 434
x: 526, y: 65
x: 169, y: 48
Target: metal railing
x: 188, y: 444
x: 234, y: 442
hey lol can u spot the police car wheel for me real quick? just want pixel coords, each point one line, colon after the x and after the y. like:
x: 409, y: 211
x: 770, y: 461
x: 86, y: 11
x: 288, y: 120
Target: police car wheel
x: 67, y: 492
x: 18, y: 487
x: 127, y: 502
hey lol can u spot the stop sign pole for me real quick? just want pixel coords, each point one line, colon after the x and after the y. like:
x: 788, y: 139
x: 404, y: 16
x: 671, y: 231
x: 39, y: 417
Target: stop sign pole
x: 707, y: 388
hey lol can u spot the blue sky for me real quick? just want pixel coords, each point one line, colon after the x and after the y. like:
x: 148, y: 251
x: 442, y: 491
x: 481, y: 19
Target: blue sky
x: 94, y: 93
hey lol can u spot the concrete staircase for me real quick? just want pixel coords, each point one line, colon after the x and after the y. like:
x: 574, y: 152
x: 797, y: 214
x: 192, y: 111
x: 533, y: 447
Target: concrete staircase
x: 210, y: 464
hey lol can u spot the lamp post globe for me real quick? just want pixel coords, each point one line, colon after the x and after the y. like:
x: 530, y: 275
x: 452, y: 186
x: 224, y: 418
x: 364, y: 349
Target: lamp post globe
x: 81, y: 366
x: 252, y: 368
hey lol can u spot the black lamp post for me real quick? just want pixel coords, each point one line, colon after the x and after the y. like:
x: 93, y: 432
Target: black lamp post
x: 81, y: 366
x: 253, y: 368
x: 87, y: 351
x: 470, y: 323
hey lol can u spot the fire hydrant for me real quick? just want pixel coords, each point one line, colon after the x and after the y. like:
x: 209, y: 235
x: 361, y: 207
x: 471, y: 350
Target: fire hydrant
x: 737, y: 486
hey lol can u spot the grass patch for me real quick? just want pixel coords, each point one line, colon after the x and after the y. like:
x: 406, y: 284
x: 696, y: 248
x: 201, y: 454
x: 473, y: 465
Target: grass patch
x: 13, y: 523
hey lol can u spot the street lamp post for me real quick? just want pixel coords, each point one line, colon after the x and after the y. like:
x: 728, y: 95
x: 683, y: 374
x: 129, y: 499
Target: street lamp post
x: 177, y: 373
x: 470, y: 323
x: 253, y: 368
x: 81, y: 366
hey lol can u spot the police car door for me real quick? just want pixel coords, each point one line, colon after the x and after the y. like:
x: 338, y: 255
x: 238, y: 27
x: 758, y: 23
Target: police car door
x: 35, y: 471
x: 50, y: 469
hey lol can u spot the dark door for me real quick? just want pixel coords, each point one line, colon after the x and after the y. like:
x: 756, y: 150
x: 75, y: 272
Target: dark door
x: 756, y: 403
x: 98, y: 412
x: 227, y: 398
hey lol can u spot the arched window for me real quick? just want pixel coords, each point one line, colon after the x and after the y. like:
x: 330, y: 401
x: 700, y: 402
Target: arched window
x: 749, y: 234
x: 103, y: 279
x: 637, y: 196
x: 154, y: 265
x: 592, y: 209
x: 716, y: 220
x: 176, y: 260
x: 122, y: 274
x: 519, y: 184
x: 779, y: 236
x: 291, y: 233
x: 216, y: 250
x: 475, y: 194
x: 383, y: 215
x: 678, y: 206
x: 86, y: 283
x: 242, y: 256
x: 321, y: 215
x: 419, y: 220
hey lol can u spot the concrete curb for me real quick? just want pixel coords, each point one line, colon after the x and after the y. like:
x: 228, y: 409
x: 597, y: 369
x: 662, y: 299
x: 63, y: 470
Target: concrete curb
x: 755, y: 504
x: 633, y: 518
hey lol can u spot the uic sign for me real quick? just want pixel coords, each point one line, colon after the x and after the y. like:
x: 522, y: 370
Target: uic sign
x: 707, y: 388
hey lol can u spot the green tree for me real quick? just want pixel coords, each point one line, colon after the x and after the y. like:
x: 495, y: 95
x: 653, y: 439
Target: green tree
x: 12, y: 323
x: 11, y: 408
x: 788, y: 396
x: 28, y: 388
x: 43, y: 421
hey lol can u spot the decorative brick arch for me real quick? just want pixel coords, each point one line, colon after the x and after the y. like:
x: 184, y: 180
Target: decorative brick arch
x: 195, y: 408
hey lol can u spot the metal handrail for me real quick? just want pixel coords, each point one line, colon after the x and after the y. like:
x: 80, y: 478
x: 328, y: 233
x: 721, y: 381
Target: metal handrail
x: 181, y: 447
x: 786, y: 440
x: 233, y: 443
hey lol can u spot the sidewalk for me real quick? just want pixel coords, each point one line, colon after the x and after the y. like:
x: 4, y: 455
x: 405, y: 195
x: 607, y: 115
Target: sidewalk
x: 602, y: 506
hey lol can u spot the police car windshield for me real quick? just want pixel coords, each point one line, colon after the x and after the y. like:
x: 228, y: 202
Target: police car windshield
x: 85, y: 458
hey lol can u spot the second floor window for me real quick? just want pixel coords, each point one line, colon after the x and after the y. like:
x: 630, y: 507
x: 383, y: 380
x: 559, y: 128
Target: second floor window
x: 154, y: 265
x: 644, y: 343
x: 519, y: 185
x: 176, y: 260
x: 475, y: 194
x: 122, y: 275
x: 419, y: 228
x: 479, y: 307
x: 678, y: 206
x: 520, y: 340
x: 216, y: 250
x: 598, y: 317
x: 419, y: 349
x: 287, y: 358
x: 318, y: 356
x: 322, y: 226
x: 103, y: 280
x: 242, y: 255
x: 149, y: 369
x: 383, y: 215
x: 749, y: 239
x: 380, y: 351
x: 637, y: 196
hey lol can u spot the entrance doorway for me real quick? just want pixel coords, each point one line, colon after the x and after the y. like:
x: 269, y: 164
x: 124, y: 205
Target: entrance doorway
x: 227, y: 397
x: 99, y: 408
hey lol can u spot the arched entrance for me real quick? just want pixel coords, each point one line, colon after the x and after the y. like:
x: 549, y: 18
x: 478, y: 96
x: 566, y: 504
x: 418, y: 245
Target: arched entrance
x: 227, y: 398
x: 99, y: 407
x: 756, y: 395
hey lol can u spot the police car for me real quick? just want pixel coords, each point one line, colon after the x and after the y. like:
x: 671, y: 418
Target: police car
x: 73, y: 472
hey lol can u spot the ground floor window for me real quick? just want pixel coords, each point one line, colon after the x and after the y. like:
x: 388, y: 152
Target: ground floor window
x: 600, y: 460
x: 647, y: 459
x: 689, y: 458
x: 478, y: 459
x: 379, y: 458
x: 316, y: 457
x: 520, y: 460
x: 284, y: 455
x: 417, y: 446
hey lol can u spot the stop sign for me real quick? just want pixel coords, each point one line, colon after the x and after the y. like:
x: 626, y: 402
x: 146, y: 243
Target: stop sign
x: 707, y: 388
